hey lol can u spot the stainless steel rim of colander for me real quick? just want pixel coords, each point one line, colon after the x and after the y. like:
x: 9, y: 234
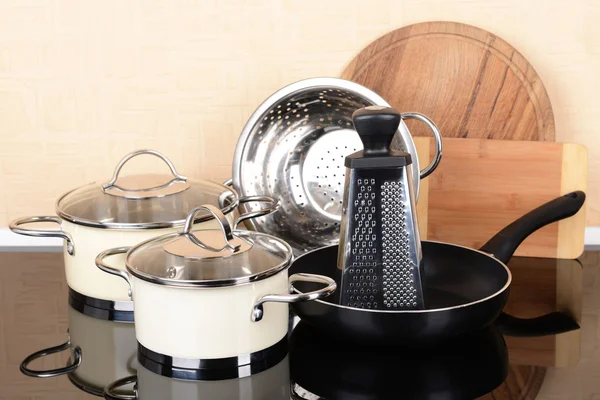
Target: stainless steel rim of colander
x: 334, y: 83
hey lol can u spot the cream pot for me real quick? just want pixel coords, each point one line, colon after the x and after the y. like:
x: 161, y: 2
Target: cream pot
x: 122, y: 212
x: 210, y: 298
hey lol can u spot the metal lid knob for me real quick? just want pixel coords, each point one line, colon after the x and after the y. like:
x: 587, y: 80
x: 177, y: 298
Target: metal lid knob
x: 146, y: 186
x: 206, y: 243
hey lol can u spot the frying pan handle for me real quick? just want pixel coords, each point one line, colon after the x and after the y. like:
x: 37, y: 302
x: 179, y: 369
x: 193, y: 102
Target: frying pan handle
x: 505, y: 242
x: 548, y: 324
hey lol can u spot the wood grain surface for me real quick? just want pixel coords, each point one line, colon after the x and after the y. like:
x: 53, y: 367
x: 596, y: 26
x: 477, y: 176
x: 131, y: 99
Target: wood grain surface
x: 522, y: 383
x: 480, y: 186
x: 469, y: 81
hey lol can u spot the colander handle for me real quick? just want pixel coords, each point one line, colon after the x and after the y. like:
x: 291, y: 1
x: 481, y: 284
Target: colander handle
x: 437, y: 136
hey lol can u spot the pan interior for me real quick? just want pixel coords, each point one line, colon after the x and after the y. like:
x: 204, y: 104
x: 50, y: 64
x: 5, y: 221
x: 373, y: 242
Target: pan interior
x: 453, y: 275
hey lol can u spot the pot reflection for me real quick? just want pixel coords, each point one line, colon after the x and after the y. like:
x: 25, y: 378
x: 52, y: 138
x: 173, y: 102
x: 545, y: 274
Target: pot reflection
x: 271, y: 384
x: 101, y: 352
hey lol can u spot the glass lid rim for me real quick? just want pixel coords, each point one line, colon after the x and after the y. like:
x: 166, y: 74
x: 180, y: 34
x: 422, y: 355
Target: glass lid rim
x: 142, y: 225
x: 214, y: 283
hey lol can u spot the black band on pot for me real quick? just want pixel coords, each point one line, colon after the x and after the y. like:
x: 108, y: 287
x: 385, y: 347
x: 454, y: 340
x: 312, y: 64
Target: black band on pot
x: 215, y: 368
x: 101, y: 309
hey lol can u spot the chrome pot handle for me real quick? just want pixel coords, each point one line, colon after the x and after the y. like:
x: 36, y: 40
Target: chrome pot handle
x: 111, y: 394
x: 76, y: 351
x: 129, y: 156
x: 223, y: 222
x: 15, y: 227
x: 112, y: 270
x: 437, y: 136
x: 258, y: 311
x: 271, y: 206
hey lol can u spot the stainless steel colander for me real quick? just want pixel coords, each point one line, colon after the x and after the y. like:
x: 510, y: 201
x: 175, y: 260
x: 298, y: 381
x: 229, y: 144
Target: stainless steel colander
x: 293, y: 148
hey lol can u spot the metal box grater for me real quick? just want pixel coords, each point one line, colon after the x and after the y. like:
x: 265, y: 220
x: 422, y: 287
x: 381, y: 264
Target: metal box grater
x: 380, y: 247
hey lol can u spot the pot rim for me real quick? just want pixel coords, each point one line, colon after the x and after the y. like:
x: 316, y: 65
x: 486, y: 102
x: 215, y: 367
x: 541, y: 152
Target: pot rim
x: 216, y: 283
x: 146, y: 225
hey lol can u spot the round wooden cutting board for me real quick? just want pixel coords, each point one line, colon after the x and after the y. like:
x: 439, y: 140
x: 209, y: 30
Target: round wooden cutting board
x: 470, y: 82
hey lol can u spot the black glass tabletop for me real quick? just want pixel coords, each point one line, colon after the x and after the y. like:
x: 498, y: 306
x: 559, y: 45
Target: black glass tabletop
x: 89, y: 351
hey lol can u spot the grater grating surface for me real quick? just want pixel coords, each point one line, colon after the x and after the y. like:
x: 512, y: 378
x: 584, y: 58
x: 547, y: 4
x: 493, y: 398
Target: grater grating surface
x: 400, y: 272
x: 362, y: 290
x: 382, y: 268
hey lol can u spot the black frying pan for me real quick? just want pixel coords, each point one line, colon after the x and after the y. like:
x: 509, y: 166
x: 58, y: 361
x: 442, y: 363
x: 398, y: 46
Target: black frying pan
x: 464, y: 289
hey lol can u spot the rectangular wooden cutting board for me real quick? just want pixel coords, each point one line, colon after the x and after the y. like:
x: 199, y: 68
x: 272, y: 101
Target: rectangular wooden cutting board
x: 482, y: 185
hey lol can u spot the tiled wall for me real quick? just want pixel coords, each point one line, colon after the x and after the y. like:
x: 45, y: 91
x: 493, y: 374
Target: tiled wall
x: 82, y: 82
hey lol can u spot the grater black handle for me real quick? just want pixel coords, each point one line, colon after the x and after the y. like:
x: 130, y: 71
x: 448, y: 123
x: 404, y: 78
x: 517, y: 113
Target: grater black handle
x: 376, y: 127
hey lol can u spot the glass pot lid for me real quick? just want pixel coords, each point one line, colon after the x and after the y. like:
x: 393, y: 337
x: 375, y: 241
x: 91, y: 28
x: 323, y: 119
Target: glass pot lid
x: 208, y: 258
x: 143, y: 201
